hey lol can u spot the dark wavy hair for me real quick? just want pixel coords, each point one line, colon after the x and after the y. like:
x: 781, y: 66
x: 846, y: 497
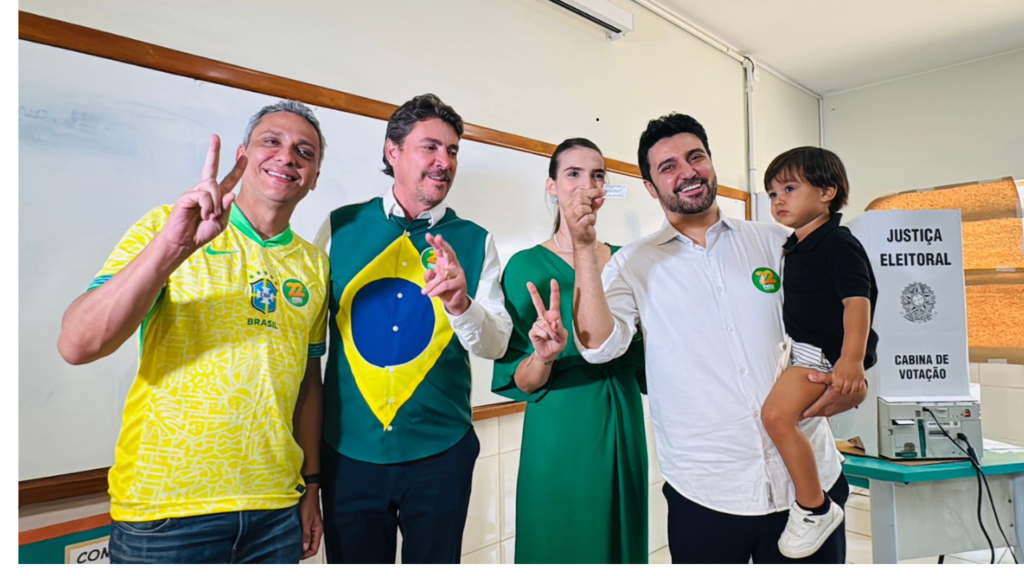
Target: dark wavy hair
x: 818, y: 167
x: 404, y: 119
x: 565, y: 146
x: 666, y: 127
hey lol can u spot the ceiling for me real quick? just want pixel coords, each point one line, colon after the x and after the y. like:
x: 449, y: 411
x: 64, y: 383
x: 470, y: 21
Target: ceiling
x: 831, y: 46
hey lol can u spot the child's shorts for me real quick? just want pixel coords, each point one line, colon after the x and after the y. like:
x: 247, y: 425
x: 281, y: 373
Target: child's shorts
x: 809, y: 356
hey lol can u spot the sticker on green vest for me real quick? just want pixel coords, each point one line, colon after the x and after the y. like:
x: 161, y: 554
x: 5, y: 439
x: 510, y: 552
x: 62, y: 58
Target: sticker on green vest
x: 428, y: 258
x: 766, y: 280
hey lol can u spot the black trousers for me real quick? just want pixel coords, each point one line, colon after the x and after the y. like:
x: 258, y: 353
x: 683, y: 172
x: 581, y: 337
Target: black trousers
x: 365, y: 504
x: 699, y: 535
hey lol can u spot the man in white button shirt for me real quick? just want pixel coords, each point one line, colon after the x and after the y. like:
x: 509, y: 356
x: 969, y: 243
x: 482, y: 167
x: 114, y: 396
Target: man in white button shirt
x: 705, y: 291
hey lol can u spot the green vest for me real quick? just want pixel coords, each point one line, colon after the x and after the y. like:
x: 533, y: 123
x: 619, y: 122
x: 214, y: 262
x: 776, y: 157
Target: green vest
x: 398, y: 383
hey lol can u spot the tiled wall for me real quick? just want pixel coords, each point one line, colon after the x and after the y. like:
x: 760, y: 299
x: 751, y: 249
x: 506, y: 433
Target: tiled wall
x: 657, y: 506
x: 491, y: 527
x: 1002, y: 400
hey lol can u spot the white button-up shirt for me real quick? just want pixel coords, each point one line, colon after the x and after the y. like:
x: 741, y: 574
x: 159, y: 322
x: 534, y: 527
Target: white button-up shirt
x: 712, y: 341
x: 485, y: 327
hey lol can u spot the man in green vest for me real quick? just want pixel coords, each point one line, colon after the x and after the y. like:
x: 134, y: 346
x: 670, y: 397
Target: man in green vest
x: 414, y: 290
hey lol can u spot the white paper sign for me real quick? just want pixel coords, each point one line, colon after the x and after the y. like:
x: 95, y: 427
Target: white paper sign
x: 615, y: 191
x: 91, y: 552
x: 921, y: 314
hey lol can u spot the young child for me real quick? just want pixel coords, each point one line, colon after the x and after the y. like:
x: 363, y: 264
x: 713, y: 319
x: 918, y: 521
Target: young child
x: 828, y: 305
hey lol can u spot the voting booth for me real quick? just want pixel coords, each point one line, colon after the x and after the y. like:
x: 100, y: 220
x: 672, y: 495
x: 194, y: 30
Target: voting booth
x: 919, y: 391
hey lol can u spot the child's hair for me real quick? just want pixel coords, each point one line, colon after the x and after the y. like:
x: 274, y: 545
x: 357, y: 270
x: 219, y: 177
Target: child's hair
x: 816, y: 166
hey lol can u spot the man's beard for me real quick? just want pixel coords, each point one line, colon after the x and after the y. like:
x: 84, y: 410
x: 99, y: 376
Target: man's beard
x: 673, y: 202
x: 433, y: 197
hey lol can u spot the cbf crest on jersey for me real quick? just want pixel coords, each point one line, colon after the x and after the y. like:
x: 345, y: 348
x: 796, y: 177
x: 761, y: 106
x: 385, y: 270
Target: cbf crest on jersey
x: 264, y: 295
x: 392, y: 334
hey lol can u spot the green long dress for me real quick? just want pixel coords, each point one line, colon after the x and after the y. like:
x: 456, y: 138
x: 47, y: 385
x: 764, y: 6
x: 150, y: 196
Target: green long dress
x: 582, y: 490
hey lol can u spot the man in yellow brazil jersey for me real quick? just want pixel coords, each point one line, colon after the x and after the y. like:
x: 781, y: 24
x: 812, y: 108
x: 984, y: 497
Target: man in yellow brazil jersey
x: 230, y: 306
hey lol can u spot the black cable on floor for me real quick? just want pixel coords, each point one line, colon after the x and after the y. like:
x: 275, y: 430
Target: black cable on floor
x: 977, y: 467
x: 978, y: 475
x: 991, y: 548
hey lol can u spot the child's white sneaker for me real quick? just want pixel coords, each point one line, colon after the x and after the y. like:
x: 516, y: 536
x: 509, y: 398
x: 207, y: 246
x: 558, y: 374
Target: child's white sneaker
x: 805, y: 532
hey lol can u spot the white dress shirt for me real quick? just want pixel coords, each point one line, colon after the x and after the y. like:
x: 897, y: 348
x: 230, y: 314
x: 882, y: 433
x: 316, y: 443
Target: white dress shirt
x: 485, y: 327
x: 712, y: 342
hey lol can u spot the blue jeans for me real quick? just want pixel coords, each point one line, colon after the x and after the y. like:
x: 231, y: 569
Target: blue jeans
x: 253, y: 536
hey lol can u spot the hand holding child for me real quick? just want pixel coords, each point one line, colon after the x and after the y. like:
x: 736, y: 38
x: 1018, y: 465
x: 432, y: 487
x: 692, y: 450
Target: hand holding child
x: 848, y: 375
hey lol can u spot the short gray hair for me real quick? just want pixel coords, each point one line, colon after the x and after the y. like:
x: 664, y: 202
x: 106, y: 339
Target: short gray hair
x: 295, y: 107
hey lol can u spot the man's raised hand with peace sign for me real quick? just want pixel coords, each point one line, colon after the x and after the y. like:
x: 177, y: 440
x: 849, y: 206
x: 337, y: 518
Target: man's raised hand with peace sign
x: 99, y: 321
x: 201, y: 214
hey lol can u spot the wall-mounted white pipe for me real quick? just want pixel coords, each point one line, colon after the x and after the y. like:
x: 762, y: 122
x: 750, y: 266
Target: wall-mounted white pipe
x: 693, y: 29
x: 716, y: 43
x: 750, y: 77
x: 821, y: 122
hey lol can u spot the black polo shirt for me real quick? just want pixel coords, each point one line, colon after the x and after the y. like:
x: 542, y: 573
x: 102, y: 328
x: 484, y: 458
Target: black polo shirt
x: 830, y: 264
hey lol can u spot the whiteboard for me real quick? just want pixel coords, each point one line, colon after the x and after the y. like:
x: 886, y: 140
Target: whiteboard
x: 101, y: 143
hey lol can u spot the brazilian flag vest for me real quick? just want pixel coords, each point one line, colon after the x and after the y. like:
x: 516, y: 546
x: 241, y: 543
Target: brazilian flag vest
x: 397, y: 386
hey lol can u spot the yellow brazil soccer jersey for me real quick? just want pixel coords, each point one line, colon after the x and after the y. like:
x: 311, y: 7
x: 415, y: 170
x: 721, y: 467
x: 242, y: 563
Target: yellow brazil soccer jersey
x: 208, y: 420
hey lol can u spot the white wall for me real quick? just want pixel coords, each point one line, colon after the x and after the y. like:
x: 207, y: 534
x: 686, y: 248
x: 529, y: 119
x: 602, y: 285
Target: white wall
x: 960, y: 124
x: 785, y: 117
x: 522, y: 66
x: 1002, y: 396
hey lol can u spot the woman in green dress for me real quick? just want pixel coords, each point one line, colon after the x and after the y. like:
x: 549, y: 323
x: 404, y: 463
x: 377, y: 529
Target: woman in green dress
x: 582, y: 489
